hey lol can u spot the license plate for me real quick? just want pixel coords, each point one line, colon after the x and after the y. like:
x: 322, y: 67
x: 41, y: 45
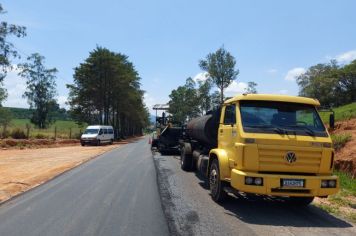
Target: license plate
x: 293, y: 183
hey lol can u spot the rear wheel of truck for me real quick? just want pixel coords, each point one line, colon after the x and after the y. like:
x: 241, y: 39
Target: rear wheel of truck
x: 186, y: 160
x: 217, y: 191
x: 301, y: 201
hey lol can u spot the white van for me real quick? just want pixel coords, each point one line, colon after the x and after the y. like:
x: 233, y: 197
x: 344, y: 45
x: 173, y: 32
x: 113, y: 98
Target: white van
x: 97, y: 134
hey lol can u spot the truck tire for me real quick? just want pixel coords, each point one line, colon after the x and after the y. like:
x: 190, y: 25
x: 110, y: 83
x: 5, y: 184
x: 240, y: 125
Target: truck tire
x: 216, y: 186
x: 301, y: 201
x: 186, y: 160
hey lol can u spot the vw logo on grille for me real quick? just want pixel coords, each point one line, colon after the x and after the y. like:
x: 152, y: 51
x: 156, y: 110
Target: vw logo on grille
x: 290, y: 157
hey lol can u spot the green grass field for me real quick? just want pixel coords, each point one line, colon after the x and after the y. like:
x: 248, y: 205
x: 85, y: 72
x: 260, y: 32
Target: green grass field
x: 64, y: 128
x: 345, y: 112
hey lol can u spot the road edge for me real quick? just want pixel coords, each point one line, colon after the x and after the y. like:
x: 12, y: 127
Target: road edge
x: 165, y: 197
x: 56, y: 176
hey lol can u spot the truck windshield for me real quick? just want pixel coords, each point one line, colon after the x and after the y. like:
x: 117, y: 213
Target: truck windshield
x: 281, y: 118
x: 91, y: 131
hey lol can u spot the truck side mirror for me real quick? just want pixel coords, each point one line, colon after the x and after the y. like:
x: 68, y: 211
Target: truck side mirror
x: 332, y: 121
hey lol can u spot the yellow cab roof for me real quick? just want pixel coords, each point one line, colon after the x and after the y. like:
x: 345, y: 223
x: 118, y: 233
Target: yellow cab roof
x: 273, y: 97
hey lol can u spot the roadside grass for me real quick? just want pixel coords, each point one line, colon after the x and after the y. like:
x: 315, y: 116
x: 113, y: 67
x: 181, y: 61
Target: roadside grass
x: 65, y: 128
x: 340, y: 140
x: 345, y: 112
x: 347, y: 183
x: 344, y: 202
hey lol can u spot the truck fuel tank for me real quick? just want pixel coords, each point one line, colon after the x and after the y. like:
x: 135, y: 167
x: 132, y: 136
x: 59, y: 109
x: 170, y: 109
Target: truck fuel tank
x: 205, y: 128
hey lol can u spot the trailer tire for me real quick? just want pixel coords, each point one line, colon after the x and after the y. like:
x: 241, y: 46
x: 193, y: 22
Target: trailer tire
x: 186, y: 160
x: 216, y: 186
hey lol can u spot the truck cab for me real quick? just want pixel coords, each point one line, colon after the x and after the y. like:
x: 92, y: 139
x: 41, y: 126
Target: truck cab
x: 273, y: 145
x: 265, y: 144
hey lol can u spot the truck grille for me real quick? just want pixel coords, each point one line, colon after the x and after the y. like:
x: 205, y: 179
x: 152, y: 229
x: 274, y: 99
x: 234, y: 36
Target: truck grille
x: 272, y: 158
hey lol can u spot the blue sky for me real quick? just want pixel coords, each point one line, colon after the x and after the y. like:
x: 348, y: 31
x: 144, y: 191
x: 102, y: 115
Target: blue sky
x: 272, y: 41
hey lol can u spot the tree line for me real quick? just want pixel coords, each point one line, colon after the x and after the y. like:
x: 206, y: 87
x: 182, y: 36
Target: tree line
x: 106, y: 88
x: 332, y: 84
x: 195, y: 98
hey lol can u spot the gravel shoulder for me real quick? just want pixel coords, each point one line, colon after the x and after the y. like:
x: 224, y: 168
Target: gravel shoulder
x: 21, y: 170
x: 190, y: 210
x: 114, y: 194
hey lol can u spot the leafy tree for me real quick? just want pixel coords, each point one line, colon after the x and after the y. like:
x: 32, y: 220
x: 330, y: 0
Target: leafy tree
x: 106, y: 90
x: 204, y: 97
x: 319, y: 82
x: 347, y: 83
x: 330, y: 83
x: 221, y: 69
x: 7, y: 49
x: 215, y: 99
x: 251, y: 87
x: 183, y: 104
x: 41, y: 89
x: 5, y: 119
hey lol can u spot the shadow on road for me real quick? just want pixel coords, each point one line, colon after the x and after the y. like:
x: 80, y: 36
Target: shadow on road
x: 267, y: 210
x: 264, y: 210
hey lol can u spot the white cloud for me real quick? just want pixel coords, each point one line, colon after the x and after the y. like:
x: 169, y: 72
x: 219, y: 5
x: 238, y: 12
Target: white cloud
x: 149, y: 101
x: 202, y: 76
x: 15, y: 86
x: 294, y: 73
x: 62, y: 102
x: 346, y: 57
x: 235, y: 88
x: 272, y: 71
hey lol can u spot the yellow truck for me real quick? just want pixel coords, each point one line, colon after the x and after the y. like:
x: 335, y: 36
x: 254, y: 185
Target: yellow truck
x: 262, y: 144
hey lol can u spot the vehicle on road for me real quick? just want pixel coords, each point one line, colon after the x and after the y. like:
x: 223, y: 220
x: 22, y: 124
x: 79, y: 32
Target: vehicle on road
x: 262, y: 144
x: 97, y: 134
x: 167, y: 134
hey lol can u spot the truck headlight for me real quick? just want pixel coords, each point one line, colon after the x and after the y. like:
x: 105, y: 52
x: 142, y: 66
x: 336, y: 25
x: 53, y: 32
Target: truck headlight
x: 258, y: 181
x: 248, y: 180
x: 324, y: 183
x: 253, y: 180
x: 332, y: 183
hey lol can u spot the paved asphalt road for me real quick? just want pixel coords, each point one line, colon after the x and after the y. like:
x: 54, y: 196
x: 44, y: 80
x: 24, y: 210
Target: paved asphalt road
x: 191, y: 211
x: 114, y: 194
x: 117, y: 194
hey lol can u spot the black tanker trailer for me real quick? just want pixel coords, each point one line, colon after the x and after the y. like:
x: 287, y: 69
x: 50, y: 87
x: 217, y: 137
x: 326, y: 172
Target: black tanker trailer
x: 199, y: 137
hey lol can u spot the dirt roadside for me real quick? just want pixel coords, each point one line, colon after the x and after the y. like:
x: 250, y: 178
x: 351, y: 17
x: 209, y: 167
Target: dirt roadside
x: 344, y: 203
x: 21, y: 170
x: 345, y: 159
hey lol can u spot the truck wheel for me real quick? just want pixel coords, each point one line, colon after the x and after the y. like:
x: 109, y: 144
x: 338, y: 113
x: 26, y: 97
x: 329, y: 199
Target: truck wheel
x: 186, y: 160
x: 301, y: 201
x: 216, y: 185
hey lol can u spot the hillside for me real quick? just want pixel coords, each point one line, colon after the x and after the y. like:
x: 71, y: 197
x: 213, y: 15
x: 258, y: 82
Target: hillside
x: 345, y: 159
x: 25, y: 113
x: 345, y: 112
